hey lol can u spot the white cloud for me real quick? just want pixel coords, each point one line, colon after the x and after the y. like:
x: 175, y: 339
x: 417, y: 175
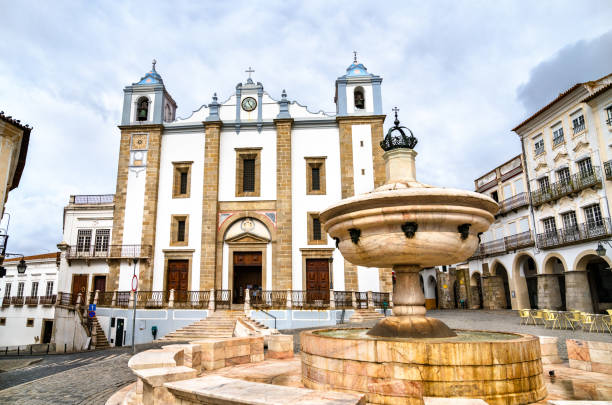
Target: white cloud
x: 452, y: 67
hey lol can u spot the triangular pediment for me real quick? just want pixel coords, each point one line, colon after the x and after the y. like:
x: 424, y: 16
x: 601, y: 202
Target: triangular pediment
x: 561, y: 155
x: 580, y: 145
x: 541, y: 165
x: 247, y: 238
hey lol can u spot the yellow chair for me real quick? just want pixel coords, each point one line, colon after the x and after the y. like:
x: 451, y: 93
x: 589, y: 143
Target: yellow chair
x: 607, y: 322
x: 609, y: 311
x: 588, y: 320
x: 538, y: 314
x: 551, y: 318
x: 572, y: 318
x: 525, y: 316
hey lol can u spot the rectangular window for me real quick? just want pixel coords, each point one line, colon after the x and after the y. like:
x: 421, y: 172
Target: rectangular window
x: 2, y: 321
x: 316, y: 179
x: 180, y: 236
x: 609, y: 115
x: 507, y: 191
x: 316, y: 229
x: 578, y: 124
x: 49, y: 291
x: 30, y: 323
x: 585, y: 167
x: 20, y: 288
x: 519, y: 187
x: 593, y: 215
x: 495, y: 196
x: 83, y: 240
x: 544, y: 183
x: 179, y: 230
x: 563, y: 175
x: 182, y: 177
x: 550, y: 228
x: 7, y: 290
x: 569, y: 220
x: 248, y: 175
x: 315, y: 175
x: 558, y: 136
x: 524, y: 225
x: 102, y: 238
x: 539, y: 146
x: 34, y: 292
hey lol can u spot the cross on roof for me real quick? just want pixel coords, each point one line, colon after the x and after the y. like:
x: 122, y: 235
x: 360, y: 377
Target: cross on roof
x: 396, y: 110
x: 355, y: 56
x: 249, y: 71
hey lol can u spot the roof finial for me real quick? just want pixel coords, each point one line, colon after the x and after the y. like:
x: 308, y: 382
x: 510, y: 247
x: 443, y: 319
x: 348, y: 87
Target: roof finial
x: 354, y: 56
x: 396, y: 110
x: 249, y: 71
x: 154, y: 62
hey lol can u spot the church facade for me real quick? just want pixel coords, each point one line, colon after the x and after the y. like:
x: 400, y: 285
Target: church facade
x: 228, y: 198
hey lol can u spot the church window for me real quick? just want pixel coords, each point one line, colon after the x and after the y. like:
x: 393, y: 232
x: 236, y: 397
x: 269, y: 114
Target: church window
x: 182, y: 179
x: 359, y: 98
x: 179, y: 230
x: 315, y: 231
x: 142, y: 110
x: 248, y: 175
x: 315, y: 175
x: 248, y: 172
x: 83, y: 240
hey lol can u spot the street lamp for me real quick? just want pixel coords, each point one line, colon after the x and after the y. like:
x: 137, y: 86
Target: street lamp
x: 601, y: 251
x: 22, y: 266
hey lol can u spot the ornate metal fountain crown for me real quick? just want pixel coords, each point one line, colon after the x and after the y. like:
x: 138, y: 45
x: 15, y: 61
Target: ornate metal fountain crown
x: 393, y: 141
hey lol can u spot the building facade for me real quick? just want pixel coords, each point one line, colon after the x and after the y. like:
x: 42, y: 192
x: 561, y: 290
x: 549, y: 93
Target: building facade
x: 567, y: 171
x: 28, y: 300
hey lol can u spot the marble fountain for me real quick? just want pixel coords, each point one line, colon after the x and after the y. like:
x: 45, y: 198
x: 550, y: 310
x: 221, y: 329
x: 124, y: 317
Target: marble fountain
x: 409, y: 226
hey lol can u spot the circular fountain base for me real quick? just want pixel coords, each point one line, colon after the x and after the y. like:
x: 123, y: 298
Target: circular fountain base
x: 500, y: 368
x: 411, y: 327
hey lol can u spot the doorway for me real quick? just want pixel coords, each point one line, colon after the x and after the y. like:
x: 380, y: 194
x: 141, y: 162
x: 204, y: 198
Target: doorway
x: 501, y: 272
x: 119, y: 332
x: 99, y: 283
x: 47, y: 331
x: 317, y: 279
x: 178, y: 279
x: 79, y: 285
x: 247, y: 274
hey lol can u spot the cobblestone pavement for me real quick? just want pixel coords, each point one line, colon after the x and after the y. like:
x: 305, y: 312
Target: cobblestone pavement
x: 499, y: 320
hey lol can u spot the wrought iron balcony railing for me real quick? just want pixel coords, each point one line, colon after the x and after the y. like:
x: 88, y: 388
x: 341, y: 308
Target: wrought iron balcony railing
x: 575, y: 183
x: 578, y: 233
x: 513, y: 203
x: 17, y: 301
x: 268, y: 299
x: 110, y: 252
x: 48, y: 300
x: 31, y: 301
x: 608, y: 169
x: 94, y: 199
x: 503, y: 245
x: 6, y: 301
x: 518, y: 241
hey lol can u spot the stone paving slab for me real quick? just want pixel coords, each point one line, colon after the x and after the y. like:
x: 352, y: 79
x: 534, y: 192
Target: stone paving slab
x: 15, y: 364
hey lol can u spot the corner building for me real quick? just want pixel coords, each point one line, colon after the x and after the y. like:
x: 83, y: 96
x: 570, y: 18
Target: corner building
x: 228, y: 198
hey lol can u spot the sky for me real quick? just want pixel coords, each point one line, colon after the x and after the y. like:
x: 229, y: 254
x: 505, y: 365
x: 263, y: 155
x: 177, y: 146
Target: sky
x: 462, y: 73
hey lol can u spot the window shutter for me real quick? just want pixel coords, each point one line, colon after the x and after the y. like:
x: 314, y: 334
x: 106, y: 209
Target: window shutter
x: 248, y: 175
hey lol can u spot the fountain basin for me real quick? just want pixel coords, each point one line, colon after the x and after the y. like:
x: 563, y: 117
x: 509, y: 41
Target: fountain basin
x: 500, y: 368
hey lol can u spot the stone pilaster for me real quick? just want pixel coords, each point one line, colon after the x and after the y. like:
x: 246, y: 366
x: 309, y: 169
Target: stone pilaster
x: 549, y: 296
x: 577, y: 291
x: 493, y: 294
x: 446, y: 294
x: 385, y: 277
x: 282, y: 271
x: 209, y: 206
x: 475, y: 298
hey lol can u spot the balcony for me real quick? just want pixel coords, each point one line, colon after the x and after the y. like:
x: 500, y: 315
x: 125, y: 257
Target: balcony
x: 96, y: 199
x: 17, y: 301
x: 574, y: 184
x: 112, y: 252
x: 6, y: 301
x: 513, y: 203
x: 608, y: 169
x: 31, y: 301
x: 48, y: 300
x: 579, y: 233
x: 503, y: 245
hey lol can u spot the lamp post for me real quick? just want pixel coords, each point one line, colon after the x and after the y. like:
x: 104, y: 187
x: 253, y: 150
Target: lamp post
x: 134, y: 305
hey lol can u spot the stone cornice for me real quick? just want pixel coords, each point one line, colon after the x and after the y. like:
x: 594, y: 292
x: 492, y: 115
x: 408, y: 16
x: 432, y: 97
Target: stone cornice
x: 141, y: 127
x: 364, y: 118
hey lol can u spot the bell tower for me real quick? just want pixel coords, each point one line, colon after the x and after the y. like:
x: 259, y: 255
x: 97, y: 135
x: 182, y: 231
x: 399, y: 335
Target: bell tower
x: 358, y: 92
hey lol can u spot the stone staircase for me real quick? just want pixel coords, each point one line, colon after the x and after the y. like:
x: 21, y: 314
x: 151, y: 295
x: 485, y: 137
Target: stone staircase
x: 363, y: 315
x: 218, y: 324
x: 100, y: 337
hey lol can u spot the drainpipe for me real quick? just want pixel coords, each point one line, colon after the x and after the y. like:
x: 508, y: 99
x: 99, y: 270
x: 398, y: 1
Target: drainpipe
x: 535, y: 234
x: 603, y: 182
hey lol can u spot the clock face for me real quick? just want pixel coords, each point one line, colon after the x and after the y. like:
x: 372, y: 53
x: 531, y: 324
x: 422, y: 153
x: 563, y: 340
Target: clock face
x: 249, y: 104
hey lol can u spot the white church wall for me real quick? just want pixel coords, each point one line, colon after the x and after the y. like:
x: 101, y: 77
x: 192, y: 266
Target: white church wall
x: 368, y: 279
x: 227, y: 111
x: 134, y: 207
x: 313, y: 142
x: 179, y: 147
x: 247, y: 138
x: 363, y: 166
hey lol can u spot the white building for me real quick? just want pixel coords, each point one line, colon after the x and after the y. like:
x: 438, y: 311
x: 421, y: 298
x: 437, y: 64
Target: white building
x: 28, y: 299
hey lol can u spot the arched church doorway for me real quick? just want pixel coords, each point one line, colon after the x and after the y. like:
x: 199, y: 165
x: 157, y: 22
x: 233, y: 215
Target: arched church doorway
x: 600, y: 283
x: 433, y: 285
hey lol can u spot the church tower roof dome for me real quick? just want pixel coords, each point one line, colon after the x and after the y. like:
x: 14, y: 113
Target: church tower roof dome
x: 151, y: 77
x: 356, y: 68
